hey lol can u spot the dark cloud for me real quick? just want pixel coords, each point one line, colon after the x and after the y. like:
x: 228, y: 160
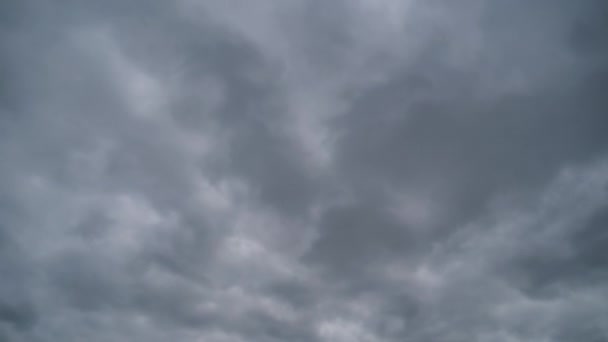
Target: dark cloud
x: 306, y: 170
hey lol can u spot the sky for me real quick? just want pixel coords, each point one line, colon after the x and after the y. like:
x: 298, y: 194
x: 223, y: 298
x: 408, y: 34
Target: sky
x: 303, y: 170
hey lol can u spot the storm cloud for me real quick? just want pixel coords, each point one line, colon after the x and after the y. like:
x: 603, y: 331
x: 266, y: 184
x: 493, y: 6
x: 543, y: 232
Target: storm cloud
x: 303, y: 170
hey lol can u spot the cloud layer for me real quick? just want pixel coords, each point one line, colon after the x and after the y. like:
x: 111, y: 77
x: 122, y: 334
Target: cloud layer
x: 367, y: 170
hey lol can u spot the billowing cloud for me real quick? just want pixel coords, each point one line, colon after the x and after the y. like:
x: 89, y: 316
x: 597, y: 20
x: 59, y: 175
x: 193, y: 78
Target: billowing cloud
x: 225, y: 171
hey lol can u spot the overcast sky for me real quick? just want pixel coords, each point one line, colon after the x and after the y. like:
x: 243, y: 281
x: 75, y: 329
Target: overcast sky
x: 303, y: 170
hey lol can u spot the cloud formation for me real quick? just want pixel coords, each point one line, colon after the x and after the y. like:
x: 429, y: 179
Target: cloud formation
x: 231, y: 170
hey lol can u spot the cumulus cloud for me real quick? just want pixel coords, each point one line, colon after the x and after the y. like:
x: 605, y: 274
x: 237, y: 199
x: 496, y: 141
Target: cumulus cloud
x: 388, y: 170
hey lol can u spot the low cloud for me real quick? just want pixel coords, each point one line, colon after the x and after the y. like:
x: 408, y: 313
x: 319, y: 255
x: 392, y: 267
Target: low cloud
x: 303, y: 170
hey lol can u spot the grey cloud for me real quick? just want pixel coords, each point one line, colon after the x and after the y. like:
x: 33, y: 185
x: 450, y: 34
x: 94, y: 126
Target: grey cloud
x: 304, y: 171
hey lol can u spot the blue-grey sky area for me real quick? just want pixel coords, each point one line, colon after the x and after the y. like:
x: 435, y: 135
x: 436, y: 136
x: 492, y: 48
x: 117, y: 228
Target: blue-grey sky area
x: 304, y: 170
